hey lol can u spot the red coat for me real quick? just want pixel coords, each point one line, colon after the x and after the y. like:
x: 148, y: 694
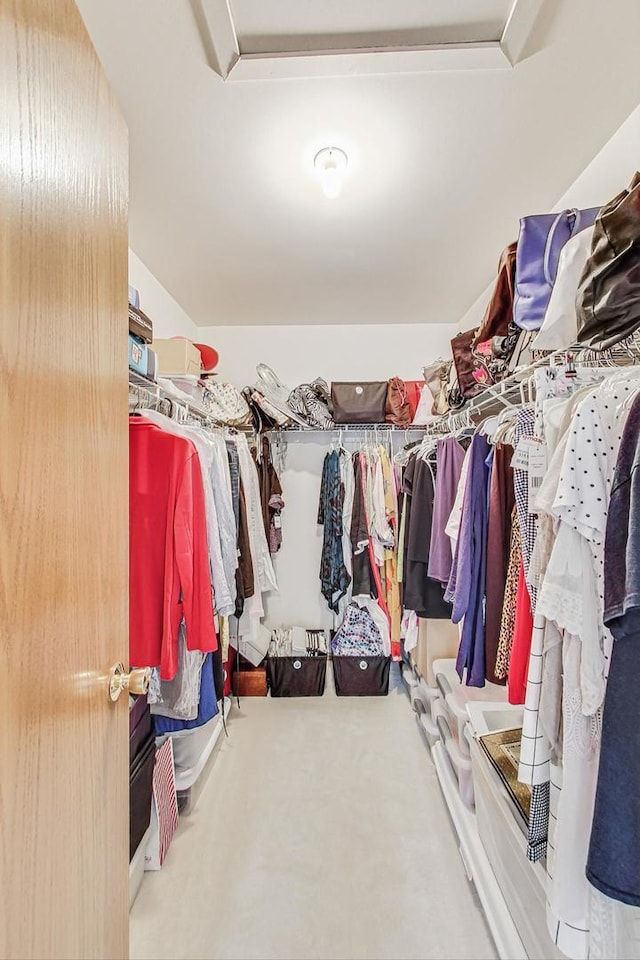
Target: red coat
x: 168, y: 551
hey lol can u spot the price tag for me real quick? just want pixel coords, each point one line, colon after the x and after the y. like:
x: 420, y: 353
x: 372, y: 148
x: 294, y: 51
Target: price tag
x: 520, y: 459
x: 538, y: 462
x: 277, y: 521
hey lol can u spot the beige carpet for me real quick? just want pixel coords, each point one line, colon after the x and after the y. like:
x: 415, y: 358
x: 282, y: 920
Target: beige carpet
x: 321, y: 834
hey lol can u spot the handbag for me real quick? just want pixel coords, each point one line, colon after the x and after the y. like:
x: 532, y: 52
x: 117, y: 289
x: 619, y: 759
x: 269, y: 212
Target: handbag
x: 359, y: 402
x: 424, y: 411
x: 311, y: 402
x: 436, y: 377
x: 540, y: 241
x: 225, y: 403
x: 559, y: 329
x: 608, y: 299
x: 268, y: 385
x: 414, y: 395
x: 499, y: 312
x: 472, y: 364
x: 398, y: 408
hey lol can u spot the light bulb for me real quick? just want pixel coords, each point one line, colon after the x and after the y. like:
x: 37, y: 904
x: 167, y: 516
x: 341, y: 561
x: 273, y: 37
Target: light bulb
x: 331, y: 182
x: 331, y: 164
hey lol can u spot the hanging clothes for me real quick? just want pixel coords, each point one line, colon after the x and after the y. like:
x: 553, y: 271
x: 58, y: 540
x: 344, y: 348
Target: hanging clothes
x: 217, y: 533
x: 363, y: 580
x: 169, y: 561
x: 450, y: 456
x: 334, y: 577
x: 270, y: 496
x: 613, y: 864
x: 468, y: 576
x: 421, y: 593
x: 501, y: 504
x: 347, y: 479
x: 390, y: 570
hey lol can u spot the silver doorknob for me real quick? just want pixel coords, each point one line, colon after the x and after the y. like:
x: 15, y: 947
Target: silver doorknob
x: 136, y: 681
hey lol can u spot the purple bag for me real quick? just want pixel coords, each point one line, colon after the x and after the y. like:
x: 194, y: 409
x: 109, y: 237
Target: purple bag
x: 541, y: 239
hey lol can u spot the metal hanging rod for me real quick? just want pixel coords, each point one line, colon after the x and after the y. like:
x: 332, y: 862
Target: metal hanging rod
x: 350, y: 427
x: 148, y: 393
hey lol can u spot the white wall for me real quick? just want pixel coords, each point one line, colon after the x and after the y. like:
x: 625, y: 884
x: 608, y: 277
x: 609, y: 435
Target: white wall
x: 298, y: 354
x: 169, y: 319
x: 609, y: 172
x: 335, y: 352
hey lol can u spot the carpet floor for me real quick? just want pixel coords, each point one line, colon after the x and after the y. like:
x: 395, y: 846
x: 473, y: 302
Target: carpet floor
x: 320, y: 834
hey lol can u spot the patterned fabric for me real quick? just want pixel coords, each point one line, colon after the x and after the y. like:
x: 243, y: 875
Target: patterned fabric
x: 509, y: 609
x: 309, y: 401
x: 524, y: 429
x: 358, y: 636
x: 538, y: 822
x: 164, y: 799
x: 334, y: 576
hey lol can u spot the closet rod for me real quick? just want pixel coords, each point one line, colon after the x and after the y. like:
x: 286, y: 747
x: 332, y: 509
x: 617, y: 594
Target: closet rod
x: 352, y: 427
x: 510, y: 390
x: 154, y: 393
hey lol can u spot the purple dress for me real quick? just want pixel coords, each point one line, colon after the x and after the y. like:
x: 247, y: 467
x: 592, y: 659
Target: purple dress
x: 468, y: 579
x: 449, y: 458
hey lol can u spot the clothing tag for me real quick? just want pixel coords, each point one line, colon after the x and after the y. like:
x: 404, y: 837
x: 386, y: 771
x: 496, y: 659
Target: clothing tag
x: 520, y: 459
x: 277, y: 522
x: 537, y: 469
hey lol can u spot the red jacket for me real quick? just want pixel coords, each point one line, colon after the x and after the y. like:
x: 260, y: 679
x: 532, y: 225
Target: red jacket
x: 168, y: 551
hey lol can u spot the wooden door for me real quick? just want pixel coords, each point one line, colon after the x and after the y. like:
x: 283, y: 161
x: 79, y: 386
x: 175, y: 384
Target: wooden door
x: 63, y: 491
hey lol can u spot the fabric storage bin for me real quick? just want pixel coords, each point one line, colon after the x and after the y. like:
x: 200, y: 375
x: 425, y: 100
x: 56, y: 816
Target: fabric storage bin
x: 361, y: 676
x: 296, y: 676
x: 140, y: 794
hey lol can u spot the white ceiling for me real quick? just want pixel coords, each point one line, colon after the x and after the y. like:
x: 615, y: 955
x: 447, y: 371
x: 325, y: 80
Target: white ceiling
x: 306, y: 24
x: 225, y: 211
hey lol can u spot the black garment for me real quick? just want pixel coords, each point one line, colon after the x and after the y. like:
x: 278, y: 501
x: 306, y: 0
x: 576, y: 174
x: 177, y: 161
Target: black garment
x: 334, y: 576
x: 613, y: 864
x: 421, y: 593
x: 363, y: 579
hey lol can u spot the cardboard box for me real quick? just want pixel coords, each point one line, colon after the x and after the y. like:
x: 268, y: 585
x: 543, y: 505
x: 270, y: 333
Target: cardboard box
x: 176, y: 357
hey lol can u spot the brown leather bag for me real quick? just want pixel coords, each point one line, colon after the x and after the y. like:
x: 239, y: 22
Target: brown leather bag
x: 398, y: 406
x: 472, y: 365
x: 499, y: 312
x: 359, y: 402
x: 608, y: 298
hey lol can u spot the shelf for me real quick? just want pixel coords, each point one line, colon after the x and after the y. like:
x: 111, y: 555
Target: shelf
x: 352, y: 428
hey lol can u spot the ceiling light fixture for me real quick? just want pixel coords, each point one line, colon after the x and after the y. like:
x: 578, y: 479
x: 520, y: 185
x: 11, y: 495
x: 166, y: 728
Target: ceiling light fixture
x: 331, y: 164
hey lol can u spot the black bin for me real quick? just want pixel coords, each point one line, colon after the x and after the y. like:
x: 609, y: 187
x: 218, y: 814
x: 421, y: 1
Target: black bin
x: 361, y: 676
x: 296, y: 676
x: 140, y: 794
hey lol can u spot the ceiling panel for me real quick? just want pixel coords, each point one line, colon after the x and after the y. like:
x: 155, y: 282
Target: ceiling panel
x: 308, y: 25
